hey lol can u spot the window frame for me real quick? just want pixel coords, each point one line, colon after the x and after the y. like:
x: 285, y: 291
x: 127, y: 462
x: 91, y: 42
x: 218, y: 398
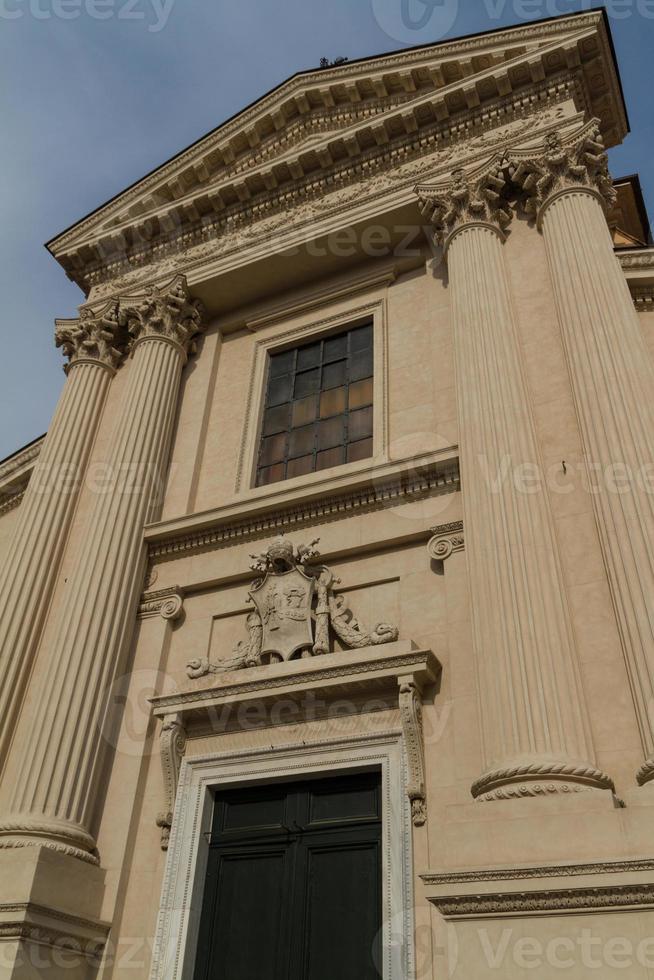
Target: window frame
x: 320, y: 362
x: 279, y: 341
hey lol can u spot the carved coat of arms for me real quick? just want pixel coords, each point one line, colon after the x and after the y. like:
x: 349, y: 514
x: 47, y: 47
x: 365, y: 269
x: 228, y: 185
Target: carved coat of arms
x: 295, y: 612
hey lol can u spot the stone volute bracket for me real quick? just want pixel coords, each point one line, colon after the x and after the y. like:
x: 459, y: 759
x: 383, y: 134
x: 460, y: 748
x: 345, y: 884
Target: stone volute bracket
x: 172, y: 744
x: 445, y: 540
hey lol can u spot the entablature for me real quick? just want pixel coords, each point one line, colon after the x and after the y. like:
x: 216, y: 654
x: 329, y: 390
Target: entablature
x: 324, y: 140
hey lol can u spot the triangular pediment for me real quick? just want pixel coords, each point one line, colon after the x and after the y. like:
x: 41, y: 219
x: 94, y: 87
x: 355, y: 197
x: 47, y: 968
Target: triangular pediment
x: 319, y: 124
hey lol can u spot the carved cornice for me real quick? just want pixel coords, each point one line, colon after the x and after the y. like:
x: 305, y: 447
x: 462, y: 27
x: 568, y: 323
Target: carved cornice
x: 20, y: 460
x: 323, y: 130
x: 382, y: 492
x: 563, y: 900
x: 97, y: 337
x: 463, y: 202
x: 164, y: 313
x: 545, y: 871
x: 526, y: 890
x: 578, y: 161
x: 30, y: 922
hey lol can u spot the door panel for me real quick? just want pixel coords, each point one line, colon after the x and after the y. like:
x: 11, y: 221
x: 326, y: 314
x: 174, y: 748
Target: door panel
x: 293, y: 888
x: 342, y: 913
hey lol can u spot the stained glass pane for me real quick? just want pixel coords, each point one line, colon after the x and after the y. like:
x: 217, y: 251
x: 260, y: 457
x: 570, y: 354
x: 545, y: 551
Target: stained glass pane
x: 302, y: 441
x: 273, y: 449
x: 331, y: 457
x: 308, y: 357
x: 360, y: 394
x: 271, y: 474
x: 281, y: 363
x: 335, y: 347
x: 307, y: 383
x: 331, y: 433
x: 334, y: 374
x: 361, y: 365
x: 332, y: 402
x: 276, y: 420
x: 304, y: 411
x: 359, y: 450
x: 300, y: 466
x: 361, y: 338
x: 360, y: 425
x: 279, y: 390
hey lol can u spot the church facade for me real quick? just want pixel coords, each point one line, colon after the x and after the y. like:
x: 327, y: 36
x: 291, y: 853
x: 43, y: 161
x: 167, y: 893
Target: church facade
x: 327, y: 600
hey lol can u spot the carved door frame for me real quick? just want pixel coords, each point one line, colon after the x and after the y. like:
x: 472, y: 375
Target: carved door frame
x: 183, y: 886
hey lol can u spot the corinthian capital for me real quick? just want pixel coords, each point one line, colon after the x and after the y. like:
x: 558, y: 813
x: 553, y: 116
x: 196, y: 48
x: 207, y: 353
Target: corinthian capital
x: 93, y: 337
x: 166, y: 312
x: 463, y: 201
x: 577, y: 161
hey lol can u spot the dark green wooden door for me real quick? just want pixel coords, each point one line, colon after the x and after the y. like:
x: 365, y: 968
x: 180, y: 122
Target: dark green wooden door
x: 293, y: 888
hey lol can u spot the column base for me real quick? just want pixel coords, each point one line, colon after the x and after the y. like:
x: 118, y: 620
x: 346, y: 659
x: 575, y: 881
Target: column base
x: 50, y: 927
x: 539, y: 777
x: 56, y: 835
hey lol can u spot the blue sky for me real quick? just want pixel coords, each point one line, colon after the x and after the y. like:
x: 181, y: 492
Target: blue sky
x: 95, y: 93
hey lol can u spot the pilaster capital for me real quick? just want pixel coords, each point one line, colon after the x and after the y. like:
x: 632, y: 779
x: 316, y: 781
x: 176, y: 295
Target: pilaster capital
x: 164, y: 313
x: 563, y: 163
x: 93, y: 337
x: 463, y: 202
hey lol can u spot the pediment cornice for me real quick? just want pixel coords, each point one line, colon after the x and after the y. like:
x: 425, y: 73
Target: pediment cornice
x: 325, y: 131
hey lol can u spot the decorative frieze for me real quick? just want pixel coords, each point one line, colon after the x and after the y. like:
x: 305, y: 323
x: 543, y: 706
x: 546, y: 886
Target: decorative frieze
x: 432, y: 479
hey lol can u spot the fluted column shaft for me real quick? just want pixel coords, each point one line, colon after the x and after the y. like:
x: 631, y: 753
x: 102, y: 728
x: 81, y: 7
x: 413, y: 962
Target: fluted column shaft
x: 535, y: 730
x: 533, y: 716
x: 613, y: 383
x: 61, y: 766
x: 32, y: 561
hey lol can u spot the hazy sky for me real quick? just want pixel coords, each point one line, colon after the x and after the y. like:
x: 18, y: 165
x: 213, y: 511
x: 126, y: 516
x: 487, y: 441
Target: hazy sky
x: 95, y: 93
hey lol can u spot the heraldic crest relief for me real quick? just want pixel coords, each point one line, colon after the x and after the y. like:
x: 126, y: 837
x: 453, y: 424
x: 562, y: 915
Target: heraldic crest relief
x: 295, y: 613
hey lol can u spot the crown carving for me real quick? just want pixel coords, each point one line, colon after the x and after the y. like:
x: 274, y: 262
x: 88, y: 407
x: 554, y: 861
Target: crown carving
x: 580, y: 161
x: 167, y: 312
x: 93, y: 337
x: 463, y: 201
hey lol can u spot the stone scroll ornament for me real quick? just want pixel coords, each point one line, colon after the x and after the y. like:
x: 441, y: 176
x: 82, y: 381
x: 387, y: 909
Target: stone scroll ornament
x: 296, y: 612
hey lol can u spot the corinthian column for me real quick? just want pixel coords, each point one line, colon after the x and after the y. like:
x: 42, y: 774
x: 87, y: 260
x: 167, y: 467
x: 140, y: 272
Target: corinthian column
x: 60, y: 770
x: 612, y: 377
x: 94, y: 344
x: 535, y: 732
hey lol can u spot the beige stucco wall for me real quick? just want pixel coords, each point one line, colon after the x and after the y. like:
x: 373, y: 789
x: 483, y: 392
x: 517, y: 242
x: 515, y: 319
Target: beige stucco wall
x: 386, y: 576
